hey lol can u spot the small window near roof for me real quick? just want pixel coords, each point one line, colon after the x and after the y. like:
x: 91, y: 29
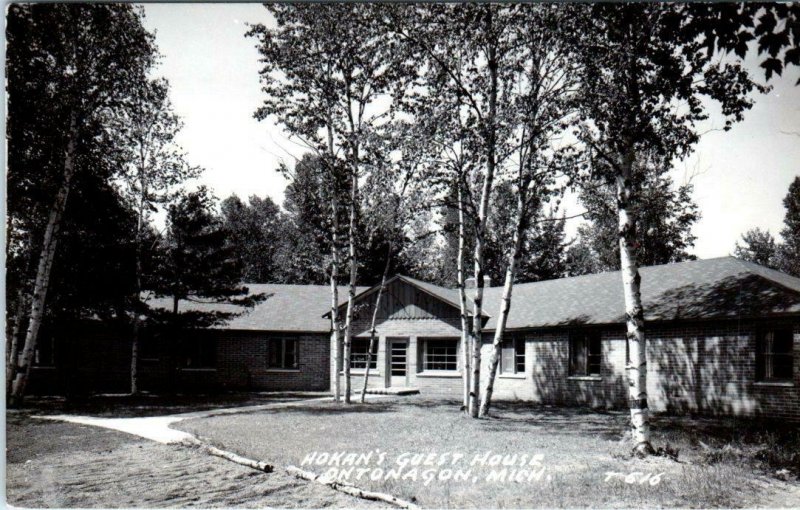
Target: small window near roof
x: 585, y: 353
x: 282, y: 353
x: 775, y: 355
x: 512, y: 359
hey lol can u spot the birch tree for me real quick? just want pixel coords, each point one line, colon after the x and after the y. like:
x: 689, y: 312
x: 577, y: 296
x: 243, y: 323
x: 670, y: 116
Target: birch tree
x: 645, y: 68
x: 327, y: 70
x: 392, y: 189
x: 466, y: 52
x: 93, y: 57
x: 545, y: 101
x: 156, y: 168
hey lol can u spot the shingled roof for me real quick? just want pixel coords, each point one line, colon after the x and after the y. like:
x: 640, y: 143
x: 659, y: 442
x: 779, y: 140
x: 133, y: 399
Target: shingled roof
x: 285, y: 308
x: 720, y: 288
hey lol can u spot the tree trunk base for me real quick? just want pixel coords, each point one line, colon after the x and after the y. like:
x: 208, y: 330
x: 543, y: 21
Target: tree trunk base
x: 643, y: 449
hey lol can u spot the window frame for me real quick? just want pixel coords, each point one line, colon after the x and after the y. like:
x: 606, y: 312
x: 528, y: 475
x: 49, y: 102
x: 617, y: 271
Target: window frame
x: 207, y: 345
x: 354, y: 363
x: 450, y: 343
x: 281, y: 341
x: 591, y: 364
x: 517, y: 343
x: 148, y: 348
x: 50, y: 362
x: 765, y: 355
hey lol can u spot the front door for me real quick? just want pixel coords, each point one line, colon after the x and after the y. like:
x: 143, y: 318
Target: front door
x: 398, y: 361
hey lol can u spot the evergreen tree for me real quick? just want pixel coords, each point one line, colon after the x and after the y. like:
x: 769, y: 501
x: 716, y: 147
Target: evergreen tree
x: 197, y: 262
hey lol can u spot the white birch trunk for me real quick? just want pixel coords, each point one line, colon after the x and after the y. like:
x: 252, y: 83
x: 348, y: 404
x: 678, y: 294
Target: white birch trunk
x: 466, y: 350
x: 483, y: 211
x: 348, y: 328
x: 634, y: 315
x: 335, y: 326
x: 44, y: 268
x: 505, y: 303
x: 12, y: 344
x: 372, y: 330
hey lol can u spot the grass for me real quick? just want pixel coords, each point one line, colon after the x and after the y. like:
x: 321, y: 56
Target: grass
x: 717, y: 466
x: 51, y: 464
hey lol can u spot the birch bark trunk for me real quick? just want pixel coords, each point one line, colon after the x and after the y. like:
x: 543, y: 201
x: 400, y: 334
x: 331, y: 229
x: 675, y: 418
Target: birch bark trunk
x: 372, y: 330
x: 462, y: 295
x: 351, y: 294
x: 12, y: 344
x: 505, y: 304
x: 477, y: 313
x: 45, y: 266
x: 634, y: 313
x: 335, y: 326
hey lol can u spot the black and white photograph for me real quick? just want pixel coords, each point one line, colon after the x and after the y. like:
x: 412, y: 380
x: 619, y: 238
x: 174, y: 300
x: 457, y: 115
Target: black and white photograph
x: 402, y: 255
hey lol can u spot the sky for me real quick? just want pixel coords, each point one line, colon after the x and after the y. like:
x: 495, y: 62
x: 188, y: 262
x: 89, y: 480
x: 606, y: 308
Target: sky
x: 740, y: 177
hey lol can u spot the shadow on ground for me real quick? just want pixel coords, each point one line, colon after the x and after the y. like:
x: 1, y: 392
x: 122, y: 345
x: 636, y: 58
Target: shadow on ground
x: 127, y: 406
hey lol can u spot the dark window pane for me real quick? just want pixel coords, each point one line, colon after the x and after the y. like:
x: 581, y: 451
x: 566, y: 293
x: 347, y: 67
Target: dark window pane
x: 507, y: 353
x: 782, y: 366
x: 44, y: 354
x: 358, y: 353
x: 290, y: 353
x: 519, y: 354
x: 577, y: 355
x: 595, y: 355
x: 199, y: 352
x: 148, y: 345
x: 782, y: 342
x: 441, y: 355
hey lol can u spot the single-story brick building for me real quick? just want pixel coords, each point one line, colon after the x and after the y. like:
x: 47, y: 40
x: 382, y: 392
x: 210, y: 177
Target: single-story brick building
x: 723, y: 338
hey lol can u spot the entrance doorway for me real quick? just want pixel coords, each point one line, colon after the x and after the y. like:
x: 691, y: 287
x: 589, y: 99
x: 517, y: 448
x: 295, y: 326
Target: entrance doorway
x: 398, y: 362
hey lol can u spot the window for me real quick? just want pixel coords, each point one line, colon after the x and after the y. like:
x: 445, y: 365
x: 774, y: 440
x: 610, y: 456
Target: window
x: 282, y: 353
x: 512, y: 359
x: 358, y: 354
x: 199, y: 352
x: 44, y: 354
x: 148, y: 345
x: 585, y: 353
x: 440, y: 355
x: 775, y: 355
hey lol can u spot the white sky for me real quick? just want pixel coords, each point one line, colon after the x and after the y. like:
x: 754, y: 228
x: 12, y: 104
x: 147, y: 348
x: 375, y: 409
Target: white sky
x: 740, y: 177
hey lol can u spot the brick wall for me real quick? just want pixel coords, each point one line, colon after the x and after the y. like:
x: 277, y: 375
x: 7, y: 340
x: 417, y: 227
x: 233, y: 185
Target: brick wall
x: 707, y: 368
x: 242, y: 362
x: 97, y: 359
x: 711, y: 369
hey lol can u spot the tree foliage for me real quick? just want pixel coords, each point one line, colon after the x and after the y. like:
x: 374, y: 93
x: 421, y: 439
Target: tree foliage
x: 758, y: 246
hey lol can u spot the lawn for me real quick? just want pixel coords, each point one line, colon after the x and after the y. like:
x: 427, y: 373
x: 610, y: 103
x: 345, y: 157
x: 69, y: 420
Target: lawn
x: 63, y: 465
x: 426, y: 451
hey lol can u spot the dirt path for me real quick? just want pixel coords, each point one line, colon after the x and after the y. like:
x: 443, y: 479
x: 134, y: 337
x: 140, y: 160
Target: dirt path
x: 54, y: 464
